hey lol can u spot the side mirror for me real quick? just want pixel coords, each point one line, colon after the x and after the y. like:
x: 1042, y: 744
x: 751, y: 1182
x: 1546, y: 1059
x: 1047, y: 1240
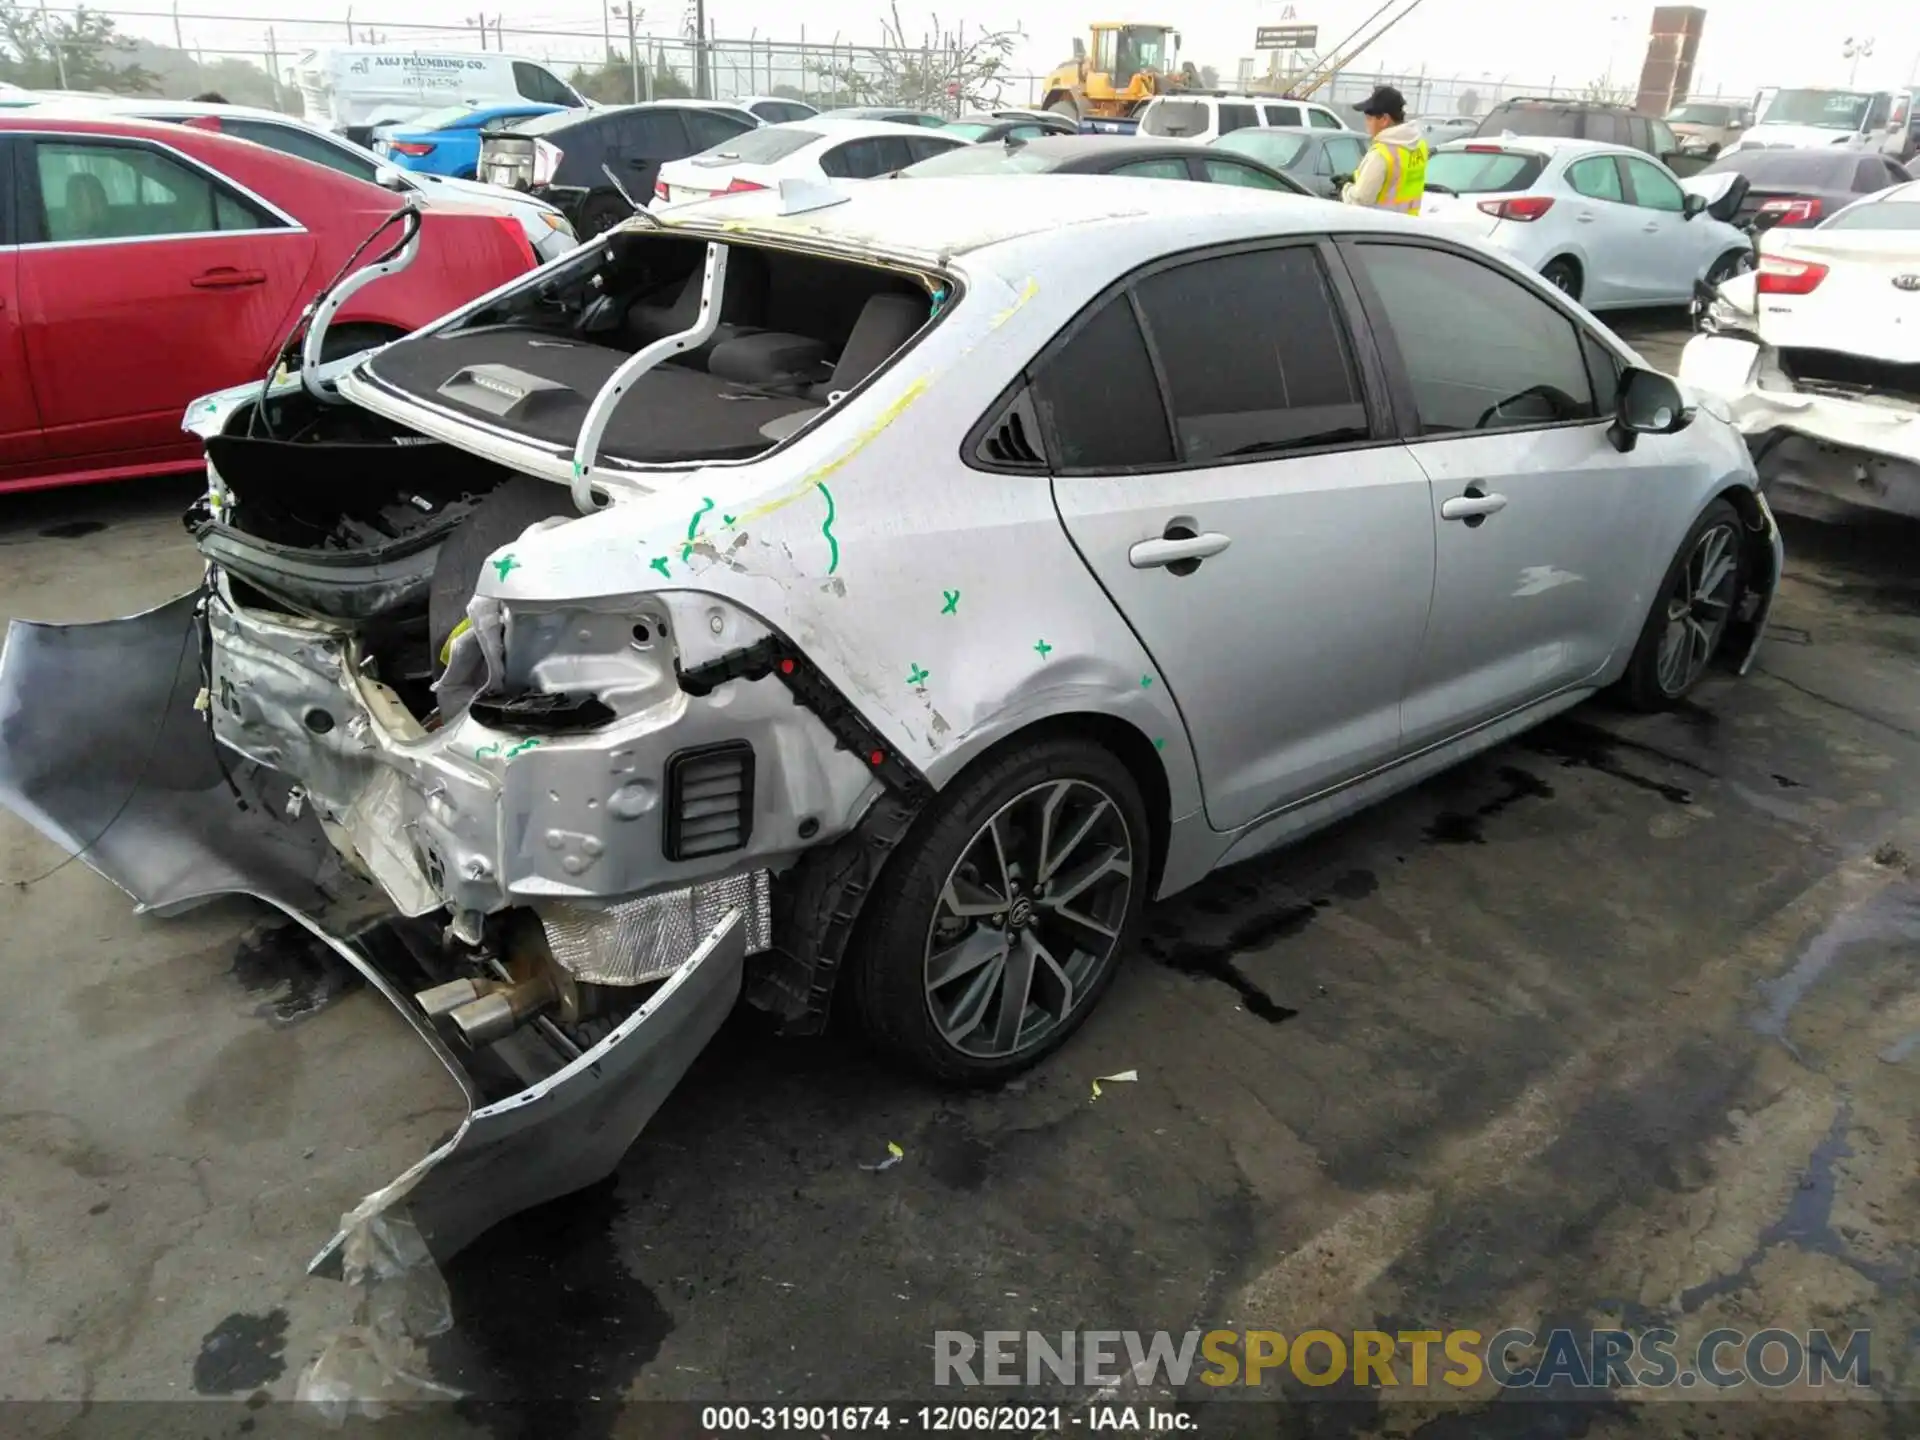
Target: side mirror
x: 1693, y: 205
x: 1646, y: 403
x: 388, y: 177
x: 1079, y: 49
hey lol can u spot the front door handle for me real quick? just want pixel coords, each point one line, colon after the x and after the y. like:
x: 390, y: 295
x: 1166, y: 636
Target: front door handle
x: 1179, y: 550
x: 225, y: 277
x: 1472, y: 507
x: 1652, y: 227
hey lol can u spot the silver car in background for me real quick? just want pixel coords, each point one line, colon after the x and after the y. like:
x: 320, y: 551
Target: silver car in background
x: 1610, y: 226
x: 872, y: 595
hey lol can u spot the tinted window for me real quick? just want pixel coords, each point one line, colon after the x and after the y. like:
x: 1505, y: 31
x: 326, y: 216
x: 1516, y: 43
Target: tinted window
x: 864, y: 159
x: 1237, y: 117
x: 1176, y: 118
x: 1653, y: 188
x: 1155, y: 170
x: 1607, y: 128
x: 649, y: 135
x: 1282, y: 114
x: 1639, y: 135
x: 1878, y: 111
x: 1098, y: 397
x: 1478, y: 172
x: 926, y: 147
x: 1531, y: 120
x: 1597, y: 178
x: 1321, y: 120
x: 1871, y: 175
x: 1480, y: 350
x: 1785, y: 167
x: 304, y: 144
x: 1253, y: 379
x: 706, y: 128
x: 536, y: 84
x: 1232, y: 172
x: 1663, y: 141
x: 776, y: 112
x: 117, y: 192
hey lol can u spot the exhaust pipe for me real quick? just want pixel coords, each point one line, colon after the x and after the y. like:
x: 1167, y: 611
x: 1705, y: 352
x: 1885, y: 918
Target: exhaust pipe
x: 486, y: 1010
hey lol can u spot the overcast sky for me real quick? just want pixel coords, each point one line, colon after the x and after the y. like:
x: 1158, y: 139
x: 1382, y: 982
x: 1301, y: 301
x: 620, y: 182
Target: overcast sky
x: 1745, y: 44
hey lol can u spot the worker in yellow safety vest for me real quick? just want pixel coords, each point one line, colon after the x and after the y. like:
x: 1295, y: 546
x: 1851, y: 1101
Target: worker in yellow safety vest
x: 1394, y: 174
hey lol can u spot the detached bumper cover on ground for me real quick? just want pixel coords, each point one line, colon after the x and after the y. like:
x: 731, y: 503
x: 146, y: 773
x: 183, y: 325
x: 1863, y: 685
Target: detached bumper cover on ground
x: 103, y: 750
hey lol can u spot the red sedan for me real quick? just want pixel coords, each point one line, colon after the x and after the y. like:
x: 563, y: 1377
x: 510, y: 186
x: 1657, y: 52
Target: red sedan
x: 143, y: 265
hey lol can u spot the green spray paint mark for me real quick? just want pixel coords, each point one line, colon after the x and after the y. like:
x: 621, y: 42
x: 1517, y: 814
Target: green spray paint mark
x: 578, y: 469
x: 659, y: 562
x: 486, y: 752
x: 1043, y: 649
x: 503, y: 565
x: 489, y: 752
x: 1160, y: 744
x: 522, y: 747
x: 727, y: 520
x: 693, y: 527
x: 1145, y: 681
x: 953, y: 602
x: 915, y: 675
x: 826, y: 529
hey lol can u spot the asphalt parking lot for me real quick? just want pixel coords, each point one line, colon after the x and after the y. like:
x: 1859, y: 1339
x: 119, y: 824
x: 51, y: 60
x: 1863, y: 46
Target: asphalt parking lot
x: 1618, y: 1024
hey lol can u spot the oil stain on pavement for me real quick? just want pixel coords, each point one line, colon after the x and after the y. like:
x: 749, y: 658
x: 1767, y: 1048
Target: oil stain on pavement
x: 296, y: 975
x: 241, y: 1353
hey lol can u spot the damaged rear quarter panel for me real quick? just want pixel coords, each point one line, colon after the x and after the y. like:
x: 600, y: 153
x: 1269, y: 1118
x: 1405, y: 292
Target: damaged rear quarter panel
x: 946, y: 602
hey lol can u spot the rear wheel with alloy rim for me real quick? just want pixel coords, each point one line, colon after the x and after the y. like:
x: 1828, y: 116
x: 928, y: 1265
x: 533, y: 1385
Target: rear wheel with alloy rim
x: 1002, y: 918
x: 1690, y: 616
x: 1563, y: 275
x: 1734, y: 262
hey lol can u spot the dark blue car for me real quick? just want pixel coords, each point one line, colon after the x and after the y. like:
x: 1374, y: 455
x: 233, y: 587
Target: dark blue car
x: 447, y: 142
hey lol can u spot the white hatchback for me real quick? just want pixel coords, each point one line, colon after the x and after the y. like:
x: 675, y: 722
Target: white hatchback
x: 1610, y: 226
x: 817, y: 149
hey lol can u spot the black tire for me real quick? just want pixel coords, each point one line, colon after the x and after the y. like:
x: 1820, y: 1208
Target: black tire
x: 601, y: 213
x: 1649, y: 686
x: 344, y: 340
x: 497, y: 520
x: 887, y: 975
x: 1733, y: 263
x: 1564, y: 275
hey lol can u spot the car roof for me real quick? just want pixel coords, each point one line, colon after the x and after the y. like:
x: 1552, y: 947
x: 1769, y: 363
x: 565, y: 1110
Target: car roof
x: 930, y: 219
x: 136, y: 105
x: 868, y: 112
x: 842, y: 127
x: 1548, y: 145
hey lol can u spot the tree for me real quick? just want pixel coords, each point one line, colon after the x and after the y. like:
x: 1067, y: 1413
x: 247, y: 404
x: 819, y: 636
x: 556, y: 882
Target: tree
x: 1469, y: 102
x: 611, y: 83
x: 43, y: 51
x: 1604, y: 92
x: 947, y: 71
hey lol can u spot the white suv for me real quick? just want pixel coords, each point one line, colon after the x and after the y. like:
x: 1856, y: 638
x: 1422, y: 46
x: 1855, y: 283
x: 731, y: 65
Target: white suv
x: 1205, y: 118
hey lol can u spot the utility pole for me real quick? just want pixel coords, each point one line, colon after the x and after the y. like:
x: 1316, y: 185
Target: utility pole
x: 633, y: 51
x: 1856, y: 49
x: 481, y: 21
x: 59, y: 45
x: 349, y: 24
x: 700, y: 49
x: 273, y: 68
x: 606, y: 32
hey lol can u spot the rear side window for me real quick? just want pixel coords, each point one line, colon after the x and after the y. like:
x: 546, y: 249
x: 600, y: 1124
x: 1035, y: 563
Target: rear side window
x: 91, y: 191
x: 1483, y: 172
x: 538, y: 85
x: 289, y: 140
x: 1607, y: 128
x: 1098, y: 396
x: 1283, y: 115
x: 1321, y: 120
x: 1639, y: 133
x: 1176, y: 119
x: 1481, y: 351
x: 926, y: 147
x: 1232, y: 172
x: 1237, y: 117
x: 706, y: 128
x: 864, y: 159
x: 651, y: 135
x: 1155, y: 170
x: 1597, y: 178
x: 1259, y: 379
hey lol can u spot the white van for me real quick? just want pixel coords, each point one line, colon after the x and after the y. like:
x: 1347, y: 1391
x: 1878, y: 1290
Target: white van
x: 1205, y: 118
x: 350, y: 91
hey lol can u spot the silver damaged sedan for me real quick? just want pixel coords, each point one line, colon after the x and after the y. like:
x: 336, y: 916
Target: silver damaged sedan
x: 868, y: 596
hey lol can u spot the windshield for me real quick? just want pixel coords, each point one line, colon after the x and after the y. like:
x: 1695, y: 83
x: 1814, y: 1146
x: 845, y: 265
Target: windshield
x: 965, y: 129
x: 1142, y: 47
x: 1701, y: 115
x: 1276, y: 147
x: 984, y: 160
x: 1176, y: 118
x: 1886, y: 215
x: 1789, y: 167
x: 1526, y: 119
x: 1481, y: 172
x: 760, y: 147
x: 1826, y: 109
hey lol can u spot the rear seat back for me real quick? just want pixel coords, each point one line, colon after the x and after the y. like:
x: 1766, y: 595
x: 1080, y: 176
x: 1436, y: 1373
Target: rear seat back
x: 886, y: 323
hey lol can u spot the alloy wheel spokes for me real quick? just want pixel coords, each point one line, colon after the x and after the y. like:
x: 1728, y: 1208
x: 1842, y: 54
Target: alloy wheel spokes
x: 1028, y: 918
x: 1698, y: 609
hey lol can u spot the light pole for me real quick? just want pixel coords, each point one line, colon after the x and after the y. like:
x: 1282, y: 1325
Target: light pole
x: 1614, y: 22
x: 633, y: 13
x: 1856, y: 49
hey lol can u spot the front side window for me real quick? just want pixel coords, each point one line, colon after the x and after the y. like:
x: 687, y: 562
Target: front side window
x: 1346, y: 155
x: 708, y: 129
x: 1321, y: 120
x: 1232, y: 172
x: 1481, y: 351
x: 1253, y: 380
x: 654, y: 135
x: 1597, y: 178
x: 122, y: 192
x: 1283, y: 115
x: 1653, y: 188
x: 540, y: 86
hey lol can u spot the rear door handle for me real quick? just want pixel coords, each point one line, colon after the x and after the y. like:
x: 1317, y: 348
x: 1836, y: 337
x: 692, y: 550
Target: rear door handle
x: 227, y: 278
x: 1586, y: 217
x: 1651, y: 227
x: 1472, y: 507
x: 1185, y: 548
